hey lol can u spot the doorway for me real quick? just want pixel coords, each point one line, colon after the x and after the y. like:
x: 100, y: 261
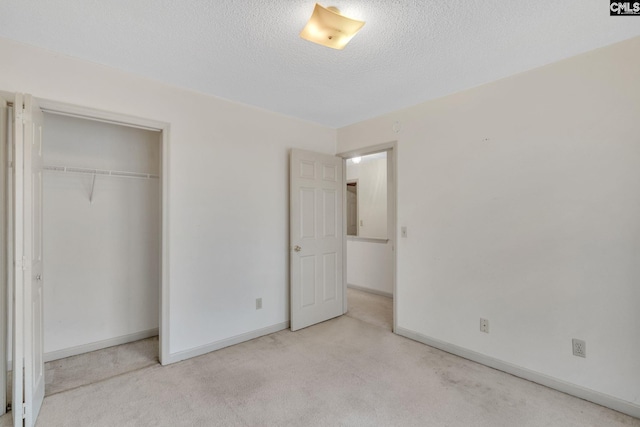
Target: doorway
x: 116, y: 184
x: 135, y: 177
x: 370, y: 237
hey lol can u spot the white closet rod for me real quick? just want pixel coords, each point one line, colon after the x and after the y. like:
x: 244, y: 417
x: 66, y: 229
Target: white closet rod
x: 102, y: 172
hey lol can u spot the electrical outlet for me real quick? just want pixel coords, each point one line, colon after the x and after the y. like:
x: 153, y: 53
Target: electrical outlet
x: 579, y: 348
x: 258, y: 303
x: 484, y: 326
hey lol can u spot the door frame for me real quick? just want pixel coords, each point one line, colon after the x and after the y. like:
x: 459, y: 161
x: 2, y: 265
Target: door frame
x: 60, y: 108
x: 392, y: 229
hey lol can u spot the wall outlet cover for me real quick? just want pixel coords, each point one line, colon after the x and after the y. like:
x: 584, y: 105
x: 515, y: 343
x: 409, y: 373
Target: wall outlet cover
x: 484, y: 326
x: 579, y: 348
x: 258, y: 303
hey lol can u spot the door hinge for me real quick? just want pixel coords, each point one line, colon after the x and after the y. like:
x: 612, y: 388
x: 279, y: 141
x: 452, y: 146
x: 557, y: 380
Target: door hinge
x: 19, y: 114
x: 24, y: 410
x: 22, y: 264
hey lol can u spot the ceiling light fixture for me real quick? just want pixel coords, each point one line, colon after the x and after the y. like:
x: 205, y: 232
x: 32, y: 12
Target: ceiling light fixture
x: 328, y: 28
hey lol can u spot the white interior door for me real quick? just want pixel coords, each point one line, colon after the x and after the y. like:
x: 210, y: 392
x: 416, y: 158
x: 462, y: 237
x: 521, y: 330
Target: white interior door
x: 28, y: 360
x: 316, y: 222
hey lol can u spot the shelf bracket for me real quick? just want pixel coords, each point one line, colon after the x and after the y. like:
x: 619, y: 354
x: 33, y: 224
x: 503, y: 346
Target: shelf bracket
x: 93, y: 186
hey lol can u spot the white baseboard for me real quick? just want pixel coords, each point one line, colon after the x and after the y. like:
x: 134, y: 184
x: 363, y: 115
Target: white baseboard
x: 99, y: 345
x: 612, y: 402
x: 371, y: 291
x: 208, y: 348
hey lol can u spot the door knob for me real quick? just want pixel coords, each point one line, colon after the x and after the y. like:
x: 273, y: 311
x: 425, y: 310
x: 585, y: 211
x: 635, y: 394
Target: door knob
x: 38, y: 277
x: 297, y: 248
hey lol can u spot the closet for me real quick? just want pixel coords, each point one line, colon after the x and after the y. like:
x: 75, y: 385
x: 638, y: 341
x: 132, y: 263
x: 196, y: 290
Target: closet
x: 102, y: 234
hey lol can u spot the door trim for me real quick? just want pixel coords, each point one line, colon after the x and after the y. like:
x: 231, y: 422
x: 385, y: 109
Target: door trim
x: 55, y: 107
x: 392, y: 229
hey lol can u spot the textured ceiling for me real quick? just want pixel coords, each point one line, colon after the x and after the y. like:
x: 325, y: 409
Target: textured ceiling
x: 249, y: 51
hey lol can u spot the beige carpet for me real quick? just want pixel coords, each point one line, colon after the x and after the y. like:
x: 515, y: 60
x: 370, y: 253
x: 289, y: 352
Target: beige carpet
x: 342, y: 372
x: 370, y: 308
x: 84, y: 369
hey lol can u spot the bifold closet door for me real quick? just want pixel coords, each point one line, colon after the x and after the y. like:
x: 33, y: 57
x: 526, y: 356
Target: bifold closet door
x: 4, y: 246
x: 28, y: 338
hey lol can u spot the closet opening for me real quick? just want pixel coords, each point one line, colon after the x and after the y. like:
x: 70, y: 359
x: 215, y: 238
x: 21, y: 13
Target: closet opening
x: 102, y: 246
x: 105, y: 263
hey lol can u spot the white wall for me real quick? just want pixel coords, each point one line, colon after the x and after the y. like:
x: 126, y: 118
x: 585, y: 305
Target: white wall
x: 369, y: 266
x: 101, y: 258
x: 372, y: 195
x: 522, y: 202
x: 227, y: 248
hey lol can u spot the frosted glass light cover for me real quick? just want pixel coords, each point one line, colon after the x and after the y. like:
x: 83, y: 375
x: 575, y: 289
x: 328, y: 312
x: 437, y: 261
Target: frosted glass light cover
x: 328, y: 28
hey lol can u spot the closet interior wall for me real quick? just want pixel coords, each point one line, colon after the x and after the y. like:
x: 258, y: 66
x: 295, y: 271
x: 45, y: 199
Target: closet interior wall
x: 102, y: 235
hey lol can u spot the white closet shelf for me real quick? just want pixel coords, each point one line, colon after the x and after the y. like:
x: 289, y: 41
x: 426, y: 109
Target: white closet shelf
x: 102, y: 172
